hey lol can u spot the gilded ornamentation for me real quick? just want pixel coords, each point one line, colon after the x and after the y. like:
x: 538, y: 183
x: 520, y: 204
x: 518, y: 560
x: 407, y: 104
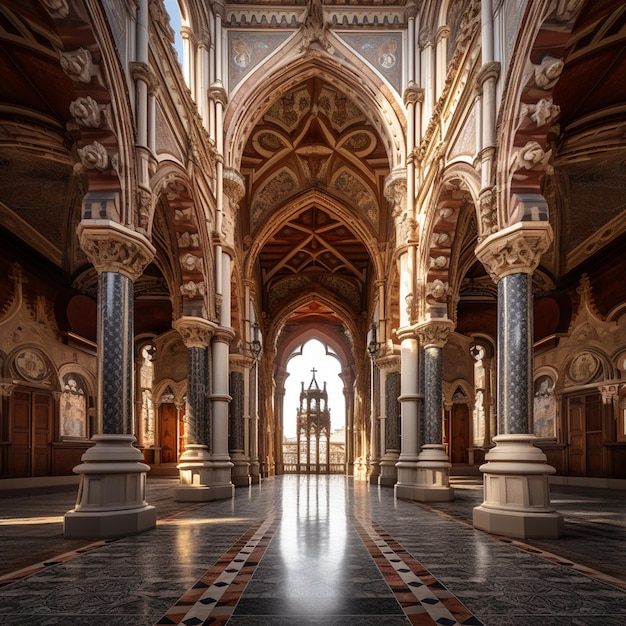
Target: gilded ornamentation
x: 77, y: 64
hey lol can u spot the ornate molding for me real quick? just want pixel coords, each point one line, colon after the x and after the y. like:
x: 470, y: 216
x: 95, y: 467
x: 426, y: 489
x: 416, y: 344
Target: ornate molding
x: 94, y: 156
x: 609, y: 393
x: 515, y: 250
x: 77, y: 64
x: 434, y: 333
x: 58, y: 9
x: 86, y: 112
x: 314, y: 29
x: 6, y: 388
x: 195, y: 331
x: 144, y: 72
x: 111, y: 247
x: 395, y: 191
x: 488, y: 213
x: 489, y: 71
x: 223, y: 334
x: 218, y: 93
x: 413, y: 94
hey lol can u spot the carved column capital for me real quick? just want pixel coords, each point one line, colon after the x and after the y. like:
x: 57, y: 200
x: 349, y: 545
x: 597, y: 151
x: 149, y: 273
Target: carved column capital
x: 395, y: 190
x: 195, y: 331
x: 112, y: 247
x: 6, y: 388
x: 515, y: 250
x: 143, y: 71
x: 217, y: 92
x: 224, y: 334
x: 609, y: 393
x: 413, y: 94
x: 434, y: 333
x: 489, y: 71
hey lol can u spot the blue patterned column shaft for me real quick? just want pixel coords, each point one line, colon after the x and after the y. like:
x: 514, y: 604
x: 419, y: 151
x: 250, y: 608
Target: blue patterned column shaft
x: 235, y: 411
x: 514, y: 354
x: 392, y: 408
x: 115, y: 353
x: 196, y: 395
x: 432, y: 395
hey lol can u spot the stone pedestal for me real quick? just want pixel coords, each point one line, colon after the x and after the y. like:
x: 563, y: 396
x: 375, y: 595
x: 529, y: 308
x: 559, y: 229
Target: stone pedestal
x: 517, y: 491
x: 433, y: 475
x: 388, y: 471
x: 195, y: 475
x: 407, y: 477
x: 221, y: 486
x: 111, y: 495
x: 241, y: 470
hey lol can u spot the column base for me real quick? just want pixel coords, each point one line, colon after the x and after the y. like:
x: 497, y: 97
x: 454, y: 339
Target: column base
x: 517, y: 491
x: 111, y: 494
x: 240, y: 470
x: 374, y: 472
x: 255, y: 473
x: 195, y: 474
x: 221, y: 485
x: 433, y: 475
x: 407, y: 477
x: 388, y: 471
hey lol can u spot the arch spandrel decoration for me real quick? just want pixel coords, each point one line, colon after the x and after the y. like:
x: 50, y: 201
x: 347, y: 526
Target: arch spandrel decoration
x: 525, y: 154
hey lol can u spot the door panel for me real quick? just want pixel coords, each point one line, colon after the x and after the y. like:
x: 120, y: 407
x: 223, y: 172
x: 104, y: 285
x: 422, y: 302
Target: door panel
x: 30, y: 433
x: 460, y: 433
x: 586, y: 436
x: 169, y: 439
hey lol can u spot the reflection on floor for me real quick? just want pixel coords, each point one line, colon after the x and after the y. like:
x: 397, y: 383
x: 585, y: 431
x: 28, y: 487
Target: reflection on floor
x: 313, y: 550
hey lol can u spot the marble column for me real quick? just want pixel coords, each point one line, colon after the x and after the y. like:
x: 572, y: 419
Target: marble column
x: 194, y: 466
x: 221, y: 465
x: 390, y: 412
x: 111, y: 495
x: 253, y: 429
x: 376, y: 436
x: 517, y: 491
x: 410, y: 400
x: 239, y: 420
x: 433, y: 465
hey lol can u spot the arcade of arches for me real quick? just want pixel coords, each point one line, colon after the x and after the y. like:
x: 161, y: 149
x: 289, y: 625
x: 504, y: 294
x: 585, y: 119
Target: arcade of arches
x: 433, y: 189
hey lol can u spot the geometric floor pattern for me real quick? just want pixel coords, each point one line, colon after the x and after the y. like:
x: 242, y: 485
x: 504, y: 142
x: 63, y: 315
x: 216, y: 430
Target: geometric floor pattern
x: 324, y: 550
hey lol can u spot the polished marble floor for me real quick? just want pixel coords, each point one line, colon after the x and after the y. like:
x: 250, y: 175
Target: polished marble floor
x: 303, y: 550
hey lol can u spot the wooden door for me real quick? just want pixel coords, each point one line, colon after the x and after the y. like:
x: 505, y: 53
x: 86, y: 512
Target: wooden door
x: 459, y: 436
x: 169, y: 433
x: 31, y: 433
x: 585, y: 436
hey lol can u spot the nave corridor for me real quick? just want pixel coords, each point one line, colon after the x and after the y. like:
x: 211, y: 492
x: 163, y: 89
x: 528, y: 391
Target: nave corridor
x: 312, y: 550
